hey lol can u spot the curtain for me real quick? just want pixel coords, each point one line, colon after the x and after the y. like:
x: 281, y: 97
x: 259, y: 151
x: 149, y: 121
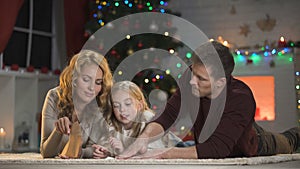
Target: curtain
x: 9, y: 10
x: 76, y: 15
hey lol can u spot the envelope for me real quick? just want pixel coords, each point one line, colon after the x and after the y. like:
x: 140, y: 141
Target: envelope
x: 73, y: 147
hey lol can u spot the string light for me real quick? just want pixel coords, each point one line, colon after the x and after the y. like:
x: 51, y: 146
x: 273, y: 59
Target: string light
x: 168, y: 71
x: 188, y: 55
x: 172, y: 51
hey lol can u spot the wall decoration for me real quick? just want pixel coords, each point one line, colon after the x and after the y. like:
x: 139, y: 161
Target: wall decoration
x: 244, y: 30
x: 232, y: 10
x: 267, y: 24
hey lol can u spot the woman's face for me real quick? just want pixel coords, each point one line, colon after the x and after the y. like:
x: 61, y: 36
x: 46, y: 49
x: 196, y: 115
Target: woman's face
x: 125, y: 108
x: 88, y: 83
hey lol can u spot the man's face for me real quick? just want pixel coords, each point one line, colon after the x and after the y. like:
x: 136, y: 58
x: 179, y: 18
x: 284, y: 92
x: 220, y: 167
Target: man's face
x: 201, y: 81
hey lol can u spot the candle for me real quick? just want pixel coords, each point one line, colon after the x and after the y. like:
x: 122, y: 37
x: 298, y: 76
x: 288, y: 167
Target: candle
x: 2, y: 138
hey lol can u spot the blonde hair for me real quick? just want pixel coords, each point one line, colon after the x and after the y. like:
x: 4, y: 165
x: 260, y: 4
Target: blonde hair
x: 71, y: 73
x: 135, y: 92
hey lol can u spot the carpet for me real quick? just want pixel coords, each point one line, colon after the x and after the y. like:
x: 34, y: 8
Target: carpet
x: 36, y: 159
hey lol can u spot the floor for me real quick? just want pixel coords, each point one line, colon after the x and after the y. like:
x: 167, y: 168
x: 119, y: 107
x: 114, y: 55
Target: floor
x: 35, y: 161
x: 282, y: 165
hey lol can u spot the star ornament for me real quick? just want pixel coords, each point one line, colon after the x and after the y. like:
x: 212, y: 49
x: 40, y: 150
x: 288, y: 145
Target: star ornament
x: 244, y: 30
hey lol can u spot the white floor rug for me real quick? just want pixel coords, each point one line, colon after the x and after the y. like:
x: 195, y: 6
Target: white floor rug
x: 35, y: 158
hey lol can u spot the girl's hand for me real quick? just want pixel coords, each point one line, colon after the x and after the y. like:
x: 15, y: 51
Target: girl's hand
x: 116, y: 144
x: 63, y: 125
x: 100, y: 152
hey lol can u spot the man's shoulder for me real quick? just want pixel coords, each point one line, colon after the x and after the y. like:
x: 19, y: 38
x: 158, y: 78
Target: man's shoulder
x: 240, y: 89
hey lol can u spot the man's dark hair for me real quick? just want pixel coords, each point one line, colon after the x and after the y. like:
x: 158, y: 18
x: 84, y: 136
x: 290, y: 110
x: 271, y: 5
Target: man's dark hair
x: 210, y: 54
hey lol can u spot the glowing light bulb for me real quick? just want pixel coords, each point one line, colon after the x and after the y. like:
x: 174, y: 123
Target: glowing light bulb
x: 172, y: 51
x: 225, y: 43
x: 182, y: 128
x: 188, y: 55
x: 168, y: 71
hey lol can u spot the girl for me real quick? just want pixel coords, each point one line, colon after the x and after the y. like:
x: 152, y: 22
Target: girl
x: 129, y: 117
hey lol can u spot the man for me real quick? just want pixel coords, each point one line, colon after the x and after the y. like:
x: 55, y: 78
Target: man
x: 234, y: 132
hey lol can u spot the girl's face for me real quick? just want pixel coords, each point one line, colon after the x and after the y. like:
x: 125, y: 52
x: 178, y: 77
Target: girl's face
x: 125, y: 107
x: 88, y: 83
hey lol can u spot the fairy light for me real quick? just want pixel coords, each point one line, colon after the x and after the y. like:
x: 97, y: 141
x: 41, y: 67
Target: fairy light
x: 188, y: 55
x: 168, y: 71
x: 178, y: 65
x: 120, y: 72
x: 172, y: 51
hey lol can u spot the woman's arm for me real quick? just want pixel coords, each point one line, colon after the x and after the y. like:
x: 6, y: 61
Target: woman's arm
x: 52, y: 142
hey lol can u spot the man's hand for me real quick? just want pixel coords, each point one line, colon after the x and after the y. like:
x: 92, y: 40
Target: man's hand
x: 152, y: 154
x: 63, y: 125
x: 139, y: 146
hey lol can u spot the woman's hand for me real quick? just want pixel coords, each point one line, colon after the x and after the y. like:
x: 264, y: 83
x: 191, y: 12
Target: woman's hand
x: 63, y: 125
x: 100, y: 152
x: 116, y: 144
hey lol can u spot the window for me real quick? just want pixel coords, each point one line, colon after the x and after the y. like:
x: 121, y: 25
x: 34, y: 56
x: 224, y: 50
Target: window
x: 33, y: 40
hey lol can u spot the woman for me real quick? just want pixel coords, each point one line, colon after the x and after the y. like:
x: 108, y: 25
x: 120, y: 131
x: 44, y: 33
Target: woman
x: 81, y: 97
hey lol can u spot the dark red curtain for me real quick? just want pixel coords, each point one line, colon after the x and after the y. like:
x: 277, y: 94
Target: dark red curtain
x: 76, y: 15
x: 9, y: 10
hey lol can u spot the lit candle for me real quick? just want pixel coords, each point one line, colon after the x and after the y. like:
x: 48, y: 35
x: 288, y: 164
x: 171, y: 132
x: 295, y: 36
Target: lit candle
x: 2, y: 138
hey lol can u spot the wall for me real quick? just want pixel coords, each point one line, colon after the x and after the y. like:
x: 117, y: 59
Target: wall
x: 227, y: 17
x: 215, y: 19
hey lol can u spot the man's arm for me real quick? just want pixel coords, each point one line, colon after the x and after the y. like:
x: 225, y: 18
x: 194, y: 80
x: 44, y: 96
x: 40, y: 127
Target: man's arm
x: 170, y: 153
x: 152, y: 132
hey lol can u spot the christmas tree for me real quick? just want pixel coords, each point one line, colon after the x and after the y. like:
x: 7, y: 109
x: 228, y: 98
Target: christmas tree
x: 103, y: 12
